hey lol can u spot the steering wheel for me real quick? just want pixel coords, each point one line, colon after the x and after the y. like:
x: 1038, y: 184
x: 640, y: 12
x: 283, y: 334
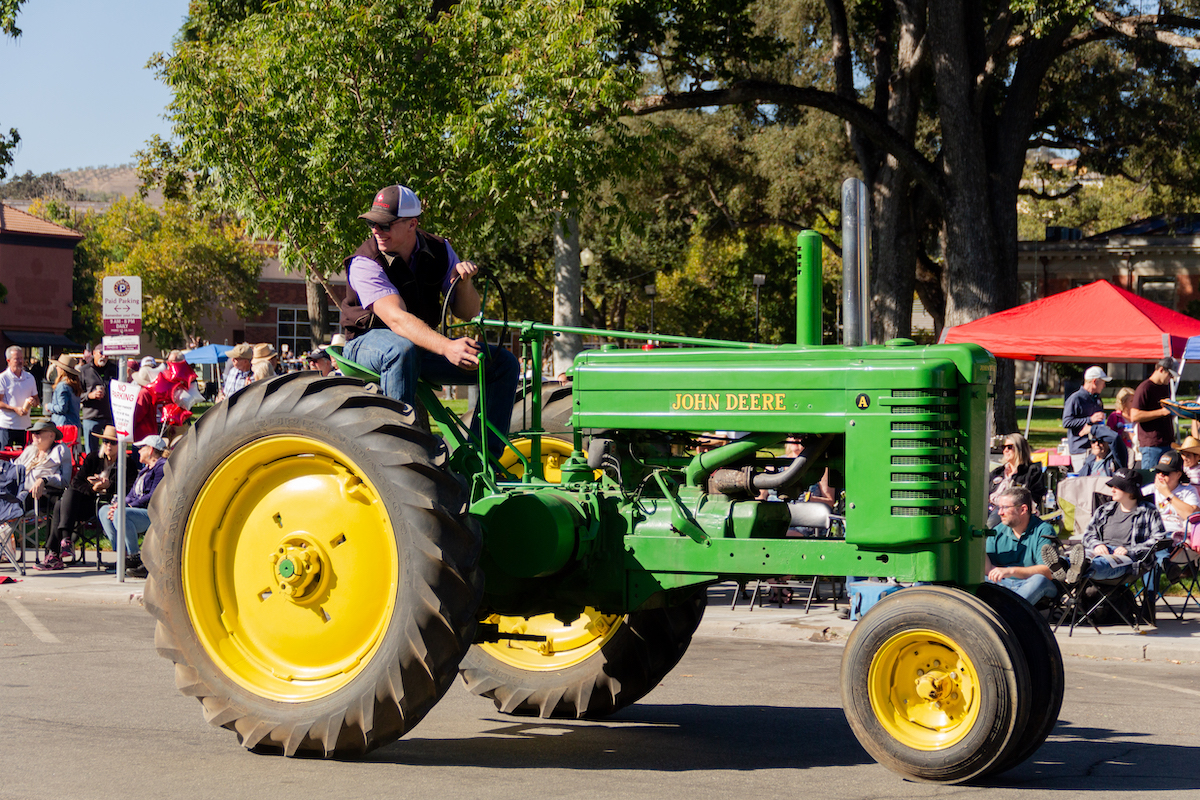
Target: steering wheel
x: 489, y: 288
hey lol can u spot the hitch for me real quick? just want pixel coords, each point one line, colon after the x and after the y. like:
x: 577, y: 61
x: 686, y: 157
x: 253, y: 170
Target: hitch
x: 487, y: 632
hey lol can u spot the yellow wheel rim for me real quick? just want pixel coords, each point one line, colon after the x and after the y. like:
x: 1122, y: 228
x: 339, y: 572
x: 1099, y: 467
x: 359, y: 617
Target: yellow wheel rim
x: 289, y: 568
x: 554, y: 453
x: 565, y: 645
x: 924, y: 690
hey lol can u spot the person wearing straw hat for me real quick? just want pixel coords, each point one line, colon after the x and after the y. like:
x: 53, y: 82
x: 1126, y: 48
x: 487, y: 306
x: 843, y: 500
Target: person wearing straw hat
x: 95, y: 480
x: 262, y: 366
x: 239, y: 375
x: 64, y: 405
x: 1190, y: 451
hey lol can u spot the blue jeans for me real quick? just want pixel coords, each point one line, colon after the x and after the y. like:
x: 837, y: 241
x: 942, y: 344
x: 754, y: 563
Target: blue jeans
x: 400, y: 364
x: 91, y: 429
x: 137, y: 520
x: 1150, y: 455
x: 1033, y: 588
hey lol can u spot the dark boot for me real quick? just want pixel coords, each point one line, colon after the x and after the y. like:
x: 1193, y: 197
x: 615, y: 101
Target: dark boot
x: 134, y: 567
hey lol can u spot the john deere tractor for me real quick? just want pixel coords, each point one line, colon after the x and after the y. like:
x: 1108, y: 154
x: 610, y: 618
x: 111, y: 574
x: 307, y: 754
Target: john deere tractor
x: 322, y: 566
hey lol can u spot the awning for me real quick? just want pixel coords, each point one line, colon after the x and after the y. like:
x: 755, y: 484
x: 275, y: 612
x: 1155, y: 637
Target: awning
x: 38, y: 339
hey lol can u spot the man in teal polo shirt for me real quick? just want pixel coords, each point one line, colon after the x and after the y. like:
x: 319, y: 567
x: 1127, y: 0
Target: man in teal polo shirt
x: 1014, y: 553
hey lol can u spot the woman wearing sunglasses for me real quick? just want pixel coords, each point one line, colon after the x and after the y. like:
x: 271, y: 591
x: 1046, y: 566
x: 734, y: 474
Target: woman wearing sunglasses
x: 1017, y: 469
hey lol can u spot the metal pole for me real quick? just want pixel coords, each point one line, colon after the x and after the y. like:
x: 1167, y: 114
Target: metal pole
x: 121, y: 471
x: 856, y: 259
x: 757, y: 318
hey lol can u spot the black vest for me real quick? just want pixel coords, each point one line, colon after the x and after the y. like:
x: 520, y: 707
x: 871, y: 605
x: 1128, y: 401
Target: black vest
x: 420, y: 287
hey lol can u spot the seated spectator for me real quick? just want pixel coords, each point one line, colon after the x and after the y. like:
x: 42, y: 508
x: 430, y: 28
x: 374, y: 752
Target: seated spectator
x: 64, y: 406
x: 47, y: 467
x: 1017, y: 469
x: 1107, y: 454
x: 137, y: 518
x: 322, y: 363
x: 1173, y: 496
x: 95, y: 480
x: 1190, y: 451
x: 1015, y: 550
x: 1120, y: 534
x: 239, y: 375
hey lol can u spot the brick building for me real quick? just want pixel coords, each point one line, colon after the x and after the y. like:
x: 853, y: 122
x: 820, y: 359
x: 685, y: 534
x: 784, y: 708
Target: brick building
x: 36, y: 259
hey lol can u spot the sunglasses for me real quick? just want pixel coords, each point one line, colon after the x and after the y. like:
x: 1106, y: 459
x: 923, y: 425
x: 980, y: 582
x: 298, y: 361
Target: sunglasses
x: 380, y: 226
x: 1008, y: 446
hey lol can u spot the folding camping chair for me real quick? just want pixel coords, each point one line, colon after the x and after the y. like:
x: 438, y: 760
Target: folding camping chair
x: 1091, y: 597
x: 12, y: 478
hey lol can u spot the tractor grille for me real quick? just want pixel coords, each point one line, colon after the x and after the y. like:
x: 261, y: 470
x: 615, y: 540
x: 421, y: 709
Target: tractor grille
x: 926, y: 440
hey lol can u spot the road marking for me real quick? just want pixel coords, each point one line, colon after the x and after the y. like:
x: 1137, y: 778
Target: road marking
x: 1123, y: 679
x: 31, y: 622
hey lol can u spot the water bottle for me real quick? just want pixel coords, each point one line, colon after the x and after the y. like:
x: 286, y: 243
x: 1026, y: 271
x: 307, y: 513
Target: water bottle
x: 1062, y: 447
x: 1051, y: 502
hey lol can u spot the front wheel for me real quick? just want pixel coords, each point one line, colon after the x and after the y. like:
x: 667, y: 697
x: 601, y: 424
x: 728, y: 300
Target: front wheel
x: 935, y: 685
x: 588, y: 668
x: 312, y: 568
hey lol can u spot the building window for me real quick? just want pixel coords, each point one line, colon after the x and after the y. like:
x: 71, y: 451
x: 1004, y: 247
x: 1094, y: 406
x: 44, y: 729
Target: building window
x: 1158, y: 290
x: 292, y: 329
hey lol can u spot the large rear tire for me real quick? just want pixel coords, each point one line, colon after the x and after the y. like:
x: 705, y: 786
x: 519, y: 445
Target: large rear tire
x: 312, y: 568
x: 590, y: 668
x: 935, y: 685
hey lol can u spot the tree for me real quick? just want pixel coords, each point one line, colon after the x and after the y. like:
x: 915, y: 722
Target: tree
x: 30, y: 186
x: 191, y: 268
x: 941, y: 99
x: 8, y: 26
x: 293, y: 115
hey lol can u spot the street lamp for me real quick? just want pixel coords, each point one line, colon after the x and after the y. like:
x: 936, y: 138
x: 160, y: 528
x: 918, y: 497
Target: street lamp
x: 759, y: 280
x: 651, y: 291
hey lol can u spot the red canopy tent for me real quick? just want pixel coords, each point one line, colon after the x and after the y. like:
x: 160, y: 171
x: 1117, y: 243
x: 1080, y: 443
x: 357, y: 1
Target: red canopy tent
x: 1099, y: 322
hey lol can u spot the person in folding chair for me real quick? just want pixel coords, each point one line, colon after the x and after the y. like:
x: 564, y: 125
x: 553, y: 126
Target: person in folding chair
x: 1014, y: 552
x: 1118, y: 540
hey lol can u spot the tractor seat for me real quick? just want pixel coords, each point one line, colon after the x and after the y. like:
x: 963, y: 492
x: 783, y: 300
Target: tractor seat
x: 350, y: 368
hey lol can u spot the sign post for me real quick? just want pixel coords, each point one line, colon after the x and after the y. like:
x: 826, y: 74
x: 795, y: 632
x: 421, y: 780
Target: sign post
x: 122, y: 299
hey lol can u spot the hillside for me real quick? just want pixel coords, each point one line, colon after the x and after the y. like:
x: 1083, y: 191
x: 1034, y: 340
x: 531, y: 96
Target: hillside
x: 102, y: 183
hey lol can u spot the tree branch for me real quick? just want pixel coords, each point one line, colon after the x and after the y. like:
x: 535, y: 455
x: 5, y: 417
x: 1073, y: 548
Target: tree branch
x: 853, y: 112
x: 1144, y: 27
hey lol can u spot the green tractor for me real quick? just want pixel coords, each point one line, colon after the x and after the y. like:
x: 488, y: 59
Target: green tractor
x: 321, y: 566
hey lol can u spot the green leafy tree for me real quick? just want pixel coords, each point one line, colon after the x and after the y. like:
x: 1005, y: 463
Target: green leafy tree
x: 941, y: 99
x: 8, y: 26
x: 192, y: 268
x: 294, y: 115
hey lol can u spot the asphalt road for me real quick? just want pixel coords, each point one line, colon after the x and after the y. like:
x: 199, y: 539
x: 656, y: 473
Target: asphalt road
x: 88, y: 710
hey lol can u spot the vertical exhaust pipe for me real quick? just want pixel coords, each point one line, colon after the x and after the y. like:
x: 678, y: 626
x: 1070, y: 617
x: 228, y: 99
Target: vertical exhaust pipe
x: 856, y: 263
x: 808, y: 288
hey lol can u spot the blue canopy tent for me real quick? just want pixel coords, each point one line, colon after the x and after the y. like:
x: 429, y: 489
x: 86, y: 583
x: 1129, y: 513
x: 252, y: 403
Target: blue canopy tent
x: 208, y: 354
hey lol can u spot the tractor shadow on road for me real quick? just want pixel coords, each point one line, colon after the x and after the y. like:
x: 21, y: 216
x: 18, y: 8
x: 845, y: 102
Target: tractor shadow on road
x: 1082, y: 759
x: 670, y: 738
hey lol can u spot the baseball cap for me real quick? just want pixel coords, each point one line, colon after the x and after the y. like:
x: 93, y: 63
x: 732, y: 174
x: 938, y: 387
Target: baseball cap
x: 1095, y: 373
x: 392, y: 203
x: 1170, y: 365
x: 317, y: 354
x: 149, y: 361
x: 157, y: 442
x: 243, y: 350
x: 1170, y: 461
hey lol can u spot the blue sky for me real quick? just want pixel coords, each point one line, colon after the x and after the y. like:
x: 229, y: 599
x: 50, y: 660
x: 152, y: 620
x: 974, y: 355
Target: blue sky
x: 75, y: 84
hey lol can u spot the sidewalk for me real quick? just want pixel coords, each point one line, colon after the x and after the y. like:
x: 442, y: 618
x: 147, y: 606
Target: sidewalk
x: 1172, y: 640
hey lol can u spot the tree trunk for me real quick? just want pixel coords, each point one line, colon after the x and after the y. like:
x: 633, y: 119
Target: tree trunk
x: 567, y: 285
x: 318, y: 312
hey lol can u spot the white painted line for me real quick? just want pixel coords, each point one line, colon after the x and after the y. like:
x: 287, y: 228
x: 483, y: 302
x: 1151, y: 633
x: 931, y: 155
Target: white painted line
x: 1166, y: 686
x: 31, y: 622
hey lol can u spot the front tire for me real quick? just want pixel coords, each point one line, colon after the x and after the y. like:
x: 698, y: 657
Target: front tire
x: 935, y: 685
x: 312, y: 568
